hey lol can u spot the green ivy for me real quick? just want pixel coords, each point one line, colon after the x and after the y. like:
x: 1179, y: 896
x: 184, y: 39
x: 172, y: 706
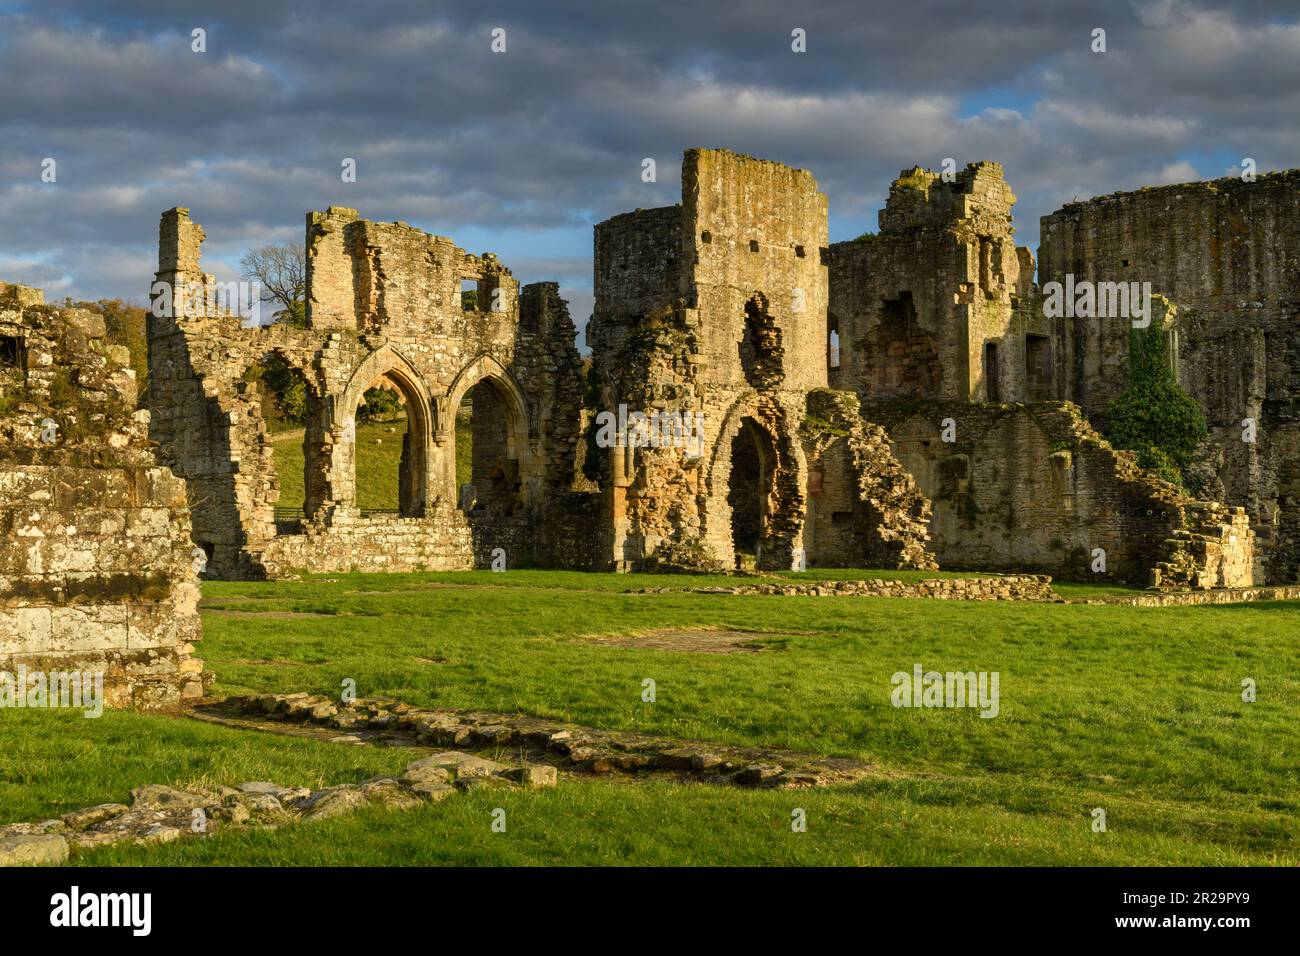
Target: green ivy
x: 1154, y: 417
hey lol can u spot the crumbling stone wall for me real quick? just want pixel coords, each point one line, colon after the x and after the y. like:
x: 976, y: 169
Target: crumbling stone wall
x: 863, y: 505
x: 944, y: 336
x: 717, y: 308
x: 384, y: 305
x: 931, y: 305
x: 1035, y: 486
x: 96, y: 569
x: 1227, y: 253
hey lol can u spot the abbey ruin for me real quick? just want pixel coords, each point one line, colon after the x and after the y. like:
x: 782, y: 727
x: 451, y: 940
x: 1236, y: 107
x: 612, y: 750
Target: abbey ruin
x: 755, y: 397
x: 907, y: 399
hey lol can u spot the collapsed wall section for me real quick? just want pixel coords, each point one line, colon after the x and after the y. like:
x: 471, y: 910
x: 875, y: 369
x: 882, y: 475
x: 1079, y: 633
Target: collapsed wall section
x: 1034, y: 486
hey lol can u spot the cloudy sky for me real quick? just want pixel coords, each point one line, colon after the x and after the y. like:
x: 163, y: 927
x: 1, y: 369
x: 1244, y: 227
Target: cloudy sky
x: 521, y: 152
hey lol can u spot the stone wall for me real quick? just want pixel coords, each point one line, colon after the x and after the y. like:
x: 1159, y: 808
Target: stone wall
x: 1227, y: 253
x: 96, y: 565
x: 944, y: 335
x: 1034, y: 486
x: 717, y: 308
x: 384, y: 309
x: 730, y: 312
x: 930, y: 306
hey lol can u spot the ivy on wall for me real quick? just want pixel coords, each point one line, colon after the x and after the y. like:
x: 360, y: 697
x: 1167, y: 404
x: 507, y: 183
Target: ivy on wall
x: 1154, y: 417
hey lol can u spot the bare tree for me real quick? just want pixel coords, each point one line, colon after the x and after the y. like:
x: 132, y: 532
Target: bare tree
x: 281, y: 272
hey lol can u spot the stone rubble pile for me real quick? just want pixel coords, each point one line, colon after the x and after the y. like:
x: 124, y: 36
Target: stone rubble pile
x: 162, y: 814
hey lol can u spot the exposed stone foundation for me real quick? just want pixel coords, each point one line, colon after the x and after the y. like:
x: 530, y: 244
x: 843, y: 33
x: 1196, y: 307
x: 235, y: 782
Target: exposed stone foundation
x: 1014, y: 587
x: 162, y: 814
x: 575, y: 747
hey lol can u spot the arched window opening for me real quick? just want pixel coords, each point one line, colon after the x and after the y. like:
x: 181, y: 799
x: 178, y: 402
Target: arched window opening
x: 389, y: 458
x: 487, y: 461
x: 748, y: 490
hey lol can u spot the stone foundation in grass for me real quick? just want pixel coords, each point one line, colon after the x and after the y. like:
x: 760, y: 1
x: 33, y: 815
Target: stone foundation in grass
x: 569, y: 746
x: 1018, y: 587
x: 161, y: 814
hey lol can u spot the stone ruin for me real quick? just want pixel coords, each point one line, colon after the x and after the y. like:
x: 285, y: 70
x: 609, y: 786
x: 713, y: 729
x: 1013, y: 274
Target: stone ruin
x: 97, y: 575
x: 939, y: 322
x: 1227, y: 252
x: 717, y: 307
x: 384, y: 309
x: 757, y: 396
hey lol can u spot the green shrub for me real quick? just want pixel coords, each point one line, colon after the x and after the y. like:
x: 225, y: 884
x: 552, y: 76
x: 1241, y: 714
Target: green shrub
x: 1154, y: 417
x: 381, y: 404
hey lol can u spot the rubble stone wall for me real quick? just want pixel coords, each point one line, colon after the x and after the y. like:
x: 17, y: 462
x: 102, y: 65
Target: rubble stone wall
x: 96, y: 567
x: 1227, y: 253
x: 1034, y: 486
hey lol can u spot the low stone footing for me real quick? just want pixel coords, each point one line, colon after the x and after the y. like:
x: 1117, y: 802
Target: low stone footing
x: 584, y: 749
x: 1021, y: 587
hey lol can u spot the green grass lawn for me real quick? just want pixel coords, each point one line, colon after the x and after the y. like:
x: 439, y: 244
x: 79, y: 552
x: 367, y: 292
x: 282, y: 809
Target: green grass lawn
x: 377, y: 464
x: 1135, y: 710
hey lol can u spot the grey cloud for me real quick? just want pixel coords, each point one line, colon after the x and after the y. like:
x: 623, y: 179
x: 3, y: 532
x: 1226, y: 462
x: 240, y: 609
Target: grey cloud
x: 450, y: 137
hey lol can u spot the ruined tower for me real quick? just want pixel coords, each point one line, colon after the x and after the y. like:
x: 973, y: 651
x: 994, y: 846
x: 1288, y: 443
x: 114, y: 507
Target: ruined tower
x: 715, y: 309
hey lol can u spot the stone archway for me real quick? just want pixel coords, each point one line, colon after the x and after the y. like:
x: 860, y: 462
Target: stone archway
x: 755, y: 475
x: 389, y: 368
x: 494, y: 437
x: 749, y: 486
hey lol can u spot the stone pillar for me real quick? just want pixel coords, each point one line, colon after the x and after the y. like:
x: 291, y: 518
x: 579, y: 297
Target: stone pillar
x: 331, y: 297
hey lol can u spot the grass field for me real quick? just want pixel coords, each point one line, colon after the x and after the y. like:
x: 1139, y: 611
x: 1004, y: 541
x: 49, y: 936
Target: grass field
x: 377, y: 464
x: 1134, y: 710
